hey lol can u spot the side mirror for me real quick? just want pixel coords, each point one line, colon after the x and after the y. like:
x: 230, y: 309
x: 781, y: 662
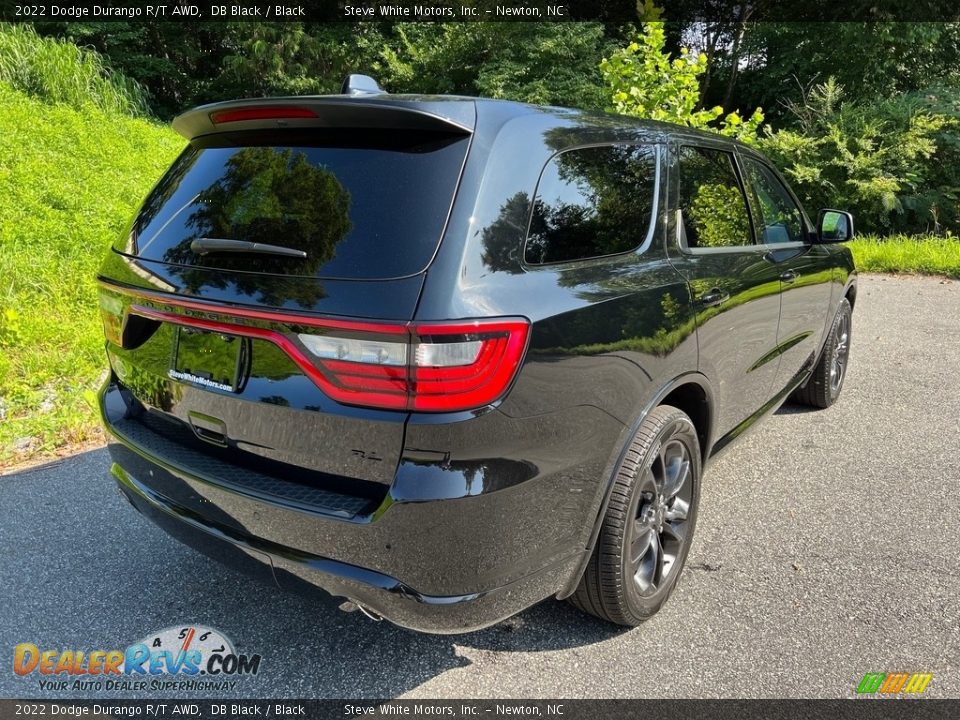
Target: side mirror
x: 834, y: 226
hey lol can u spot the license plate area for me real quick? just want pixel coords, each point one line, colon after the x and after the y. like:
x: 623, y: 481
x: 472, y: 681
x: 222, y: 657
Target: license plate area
x: 209, y: 359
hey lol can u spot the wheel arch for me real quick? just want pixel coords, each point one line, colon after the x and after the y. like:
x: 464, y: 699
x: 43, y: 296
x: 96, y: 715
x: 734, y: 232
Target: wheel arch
x: 691, y: 393
x: 851, y: 294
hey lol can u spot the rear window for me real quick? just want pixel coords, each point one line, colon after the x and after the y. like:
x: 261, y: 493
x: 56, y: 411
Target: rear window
x: 592, y: 202
x: 360, y: 204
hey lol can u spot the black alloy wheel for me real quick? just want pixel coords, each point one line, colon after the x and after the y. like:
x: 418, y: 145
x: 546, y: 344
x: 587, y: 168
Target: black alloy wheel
x: 826, y: 381
x: 659, y: 531
x: 648, y: 524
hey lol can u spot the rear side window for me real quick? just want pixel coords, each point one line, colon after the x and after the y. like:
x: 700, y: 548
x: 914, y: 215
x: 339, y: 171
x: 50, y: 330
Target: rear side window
x: 361, y: 205
x: 711, y: 199
x: 780, y: 219
x: 592, y: 202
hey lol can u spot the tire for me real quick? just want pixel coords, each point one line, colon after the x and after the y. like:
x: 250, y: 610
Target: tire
x: 653, y: 506
x: 825, y: 383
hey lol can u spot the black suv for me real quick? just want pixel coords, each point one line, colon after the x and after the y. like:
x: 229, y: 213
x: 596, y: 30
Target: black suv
x: 447, y: 357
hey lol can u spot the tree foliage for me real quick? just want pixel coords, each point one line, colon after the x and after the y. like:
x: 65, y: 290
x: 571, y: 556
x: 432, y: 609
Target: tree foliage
x: 183, y: 65
x: 887, y: 148
x: 877, y: 159
x: 779, y: 62
x: 543, y: 63
x: 645, y: 81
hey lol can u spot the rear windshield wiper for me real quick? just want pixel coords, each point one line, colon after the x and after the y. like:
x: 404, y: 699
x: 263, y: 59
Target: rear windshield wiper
x: 205, y: 246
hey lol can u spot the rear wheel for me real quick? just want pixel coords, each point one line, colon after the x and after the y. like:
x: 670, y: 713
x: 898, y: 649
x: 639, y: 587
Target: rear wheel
x: 648, y: 524
x: 825, y: 383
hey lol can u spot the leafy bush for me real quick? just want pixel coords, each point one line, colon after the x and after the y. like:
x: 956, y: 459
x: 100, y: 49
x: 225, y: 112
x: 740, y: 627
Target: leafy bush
x: 69, y: 182
x: 644, y: 81
x: 60, y: 72
x: 882, y: 160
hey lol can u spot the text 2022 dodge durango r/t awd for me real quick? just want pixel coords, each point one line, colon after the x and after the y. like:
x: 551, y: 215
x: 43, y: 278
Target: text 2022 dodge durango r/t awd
x: 447, y: 357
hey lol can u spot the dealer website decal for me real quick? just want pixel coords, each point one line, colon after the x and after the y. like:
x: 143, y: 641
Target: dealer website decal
x: 172, y: 659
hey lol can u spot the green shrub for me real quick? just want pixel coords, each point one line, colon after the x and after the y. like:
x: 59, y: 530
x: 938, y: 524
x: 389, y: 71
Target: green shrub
x: 60, y: 72
x: 883, y: 161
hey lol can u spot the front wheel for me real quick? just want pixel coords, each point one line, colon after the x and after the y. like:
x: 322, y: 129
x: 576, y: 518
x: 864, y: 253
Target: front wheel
x: 825, y: 383
x: 649, y: 522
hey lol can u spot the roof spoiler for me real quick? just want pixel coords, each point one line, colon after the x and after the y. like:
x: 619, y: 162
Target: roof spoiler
x: 361, y: 109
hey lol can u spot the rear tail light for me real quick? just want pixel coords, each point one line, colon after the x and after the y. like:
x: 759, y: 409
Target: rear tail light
x: 434, y: 368
x: 426, y: 367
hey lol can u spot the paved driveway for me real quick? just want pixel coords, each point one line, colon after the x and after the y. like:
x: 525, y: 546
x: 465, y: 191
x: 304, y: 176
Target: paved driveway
x: 828, y: 545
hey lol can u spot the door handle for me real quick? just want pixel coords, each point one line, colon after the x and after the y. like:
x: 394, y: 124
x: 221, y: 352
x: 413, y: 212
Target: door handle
x: 713, y: 297
x: 789, y: 276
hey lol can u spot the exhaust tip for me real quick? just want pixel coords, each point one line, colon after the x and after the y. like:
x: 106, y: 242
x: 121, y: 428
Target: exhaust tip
x: 350, y: 606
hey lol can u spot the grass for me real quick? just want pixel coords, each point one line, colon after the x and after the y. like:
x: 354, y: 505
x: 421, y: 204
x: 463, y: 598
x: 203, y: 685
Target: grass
x: 926, y: 254
x: 70, y: 180
x: 60, y: 72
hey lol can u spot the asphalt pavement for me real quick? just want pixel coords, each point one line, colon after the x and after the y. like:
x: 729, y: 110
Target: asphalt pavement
x: 828, y: 546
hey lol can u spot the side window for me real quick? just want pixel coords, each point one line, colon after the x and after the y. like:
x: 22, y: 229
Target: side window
x: 781, y: 218
x: 711, y: 200
x: 592, y: 202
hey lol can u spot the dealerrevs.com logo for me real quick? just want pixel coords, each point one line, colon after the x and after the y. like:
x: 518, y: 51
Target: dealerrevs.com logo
x: 190, y: 657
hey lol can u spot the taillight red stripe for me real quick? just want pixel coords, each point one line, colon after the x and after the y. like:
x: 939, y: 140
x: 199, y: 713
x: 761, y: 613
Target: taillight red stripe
x: 447, y: 387
x: 490, y: 384
x: 240, y: 311
x: 358, y: 383
x: 345, y: 367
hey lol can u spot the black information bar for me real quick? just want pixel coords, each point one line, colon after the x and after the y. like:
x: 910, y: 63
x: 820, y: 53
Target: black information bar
x: 476, y: 10
x: 863, y: 708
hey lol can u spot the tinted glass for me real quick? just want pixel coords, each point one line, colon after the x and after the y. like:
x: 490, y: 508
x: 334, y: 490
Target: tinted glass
x: 592, y: 202
x: 779, y: 218
x: 360, y: 204
x: 714, y: 209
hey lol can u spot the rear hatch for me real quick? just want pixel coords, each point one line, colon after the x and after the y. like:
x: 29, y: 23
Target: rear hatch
x: 256, y: 313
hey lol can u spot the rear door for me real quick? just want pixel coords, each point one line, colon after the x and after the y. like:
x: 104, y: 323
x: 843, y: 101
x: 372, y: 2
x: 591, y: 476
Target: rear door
x: 804, y: 269
x: 265, y: 354
x: 734, y: 286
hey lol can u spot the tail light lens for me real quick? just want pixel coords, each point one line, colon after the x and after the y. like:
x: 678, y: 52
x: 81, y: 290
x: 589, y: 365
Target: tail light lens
x: 269, y: 112
x: 458, y: 367
x: 432, y: 368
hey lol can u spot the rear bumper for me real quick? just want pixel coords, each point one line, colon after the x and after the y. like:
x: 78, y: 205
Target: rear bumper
x: 306, y: 574
x: 441, y: 562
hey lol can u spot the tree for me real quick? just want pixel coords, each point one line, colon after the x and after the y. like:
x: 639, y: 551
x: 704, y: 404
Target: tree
x: 878, y: 159
x: 780, y: 61
x: 262, y: 59
x: 543, y: 63
x: 644, y: 81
